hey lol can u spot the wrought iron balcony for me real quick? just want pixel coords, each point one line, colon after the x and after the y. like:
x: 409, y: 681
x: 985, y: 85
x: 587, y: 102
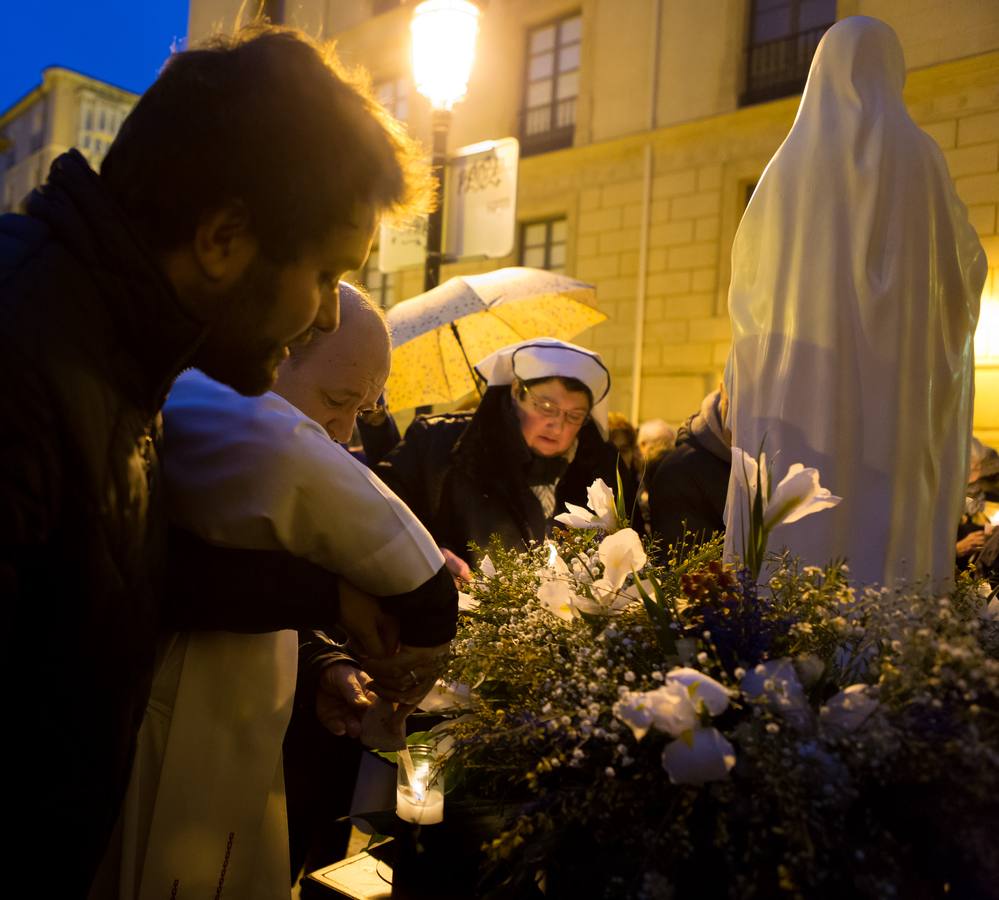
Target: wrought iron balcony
x: 548, y: 127
x: 779, y: 68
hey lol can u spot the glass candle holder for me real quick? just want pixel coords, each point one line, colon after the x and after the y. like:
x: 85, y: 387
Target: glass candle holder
x: 419, y: 793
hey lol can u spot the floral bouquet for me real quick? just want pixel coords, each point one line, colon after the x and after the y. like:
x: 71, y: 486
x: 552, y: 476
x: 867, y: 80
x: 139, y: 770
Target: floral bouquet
x: 675, y: 730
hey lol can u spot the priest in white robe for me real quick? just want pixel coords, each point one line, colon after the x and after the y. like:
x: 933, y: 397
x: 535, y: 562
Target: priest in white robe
x: 205, y: 807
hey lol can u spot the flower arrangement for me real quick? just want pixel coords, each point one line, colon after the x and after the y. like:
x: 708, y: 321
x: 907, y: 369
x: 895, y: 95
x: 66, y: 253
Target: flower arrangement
x: 674, y: 729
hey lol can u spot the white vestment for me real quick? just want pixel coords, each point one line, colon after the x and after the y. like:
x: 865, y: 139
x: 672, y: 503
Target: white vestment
x: 206, y: 800
x: 856, y: 281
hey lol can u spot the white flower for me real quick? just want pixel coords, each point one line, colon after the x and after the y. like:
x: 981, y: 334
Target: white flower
x: 577, y: 517
x: 777, y: 682
x: 849, y: 709
x: 557, y: 598
x: 600, y: 498
x: 633, y: 710
x: 621, y: 553
x: 701, y: 689
x: 601, y: 512
x: 799, y: 494
x: 672, y: 709
x: 487, y: 568
x: 701, y: 756
x: 606, y: 600
x: 447, y: 695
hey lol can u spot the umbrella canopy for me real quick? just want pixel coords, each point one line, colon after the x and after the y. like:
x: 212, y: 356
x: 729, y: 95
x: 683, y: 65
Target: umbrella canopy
x: 437, y: 335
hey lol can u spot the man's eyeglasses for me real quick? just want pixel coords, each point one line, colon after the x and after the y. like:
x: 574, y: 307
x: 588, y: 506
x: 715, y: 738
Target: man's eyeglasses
x: 550, y: 410
x: 373, y: 415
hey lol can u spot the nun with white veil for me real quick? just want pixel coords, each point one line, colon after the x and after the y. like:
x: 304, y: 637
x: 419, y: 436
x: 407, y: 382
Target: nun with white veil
x: 856, y: 280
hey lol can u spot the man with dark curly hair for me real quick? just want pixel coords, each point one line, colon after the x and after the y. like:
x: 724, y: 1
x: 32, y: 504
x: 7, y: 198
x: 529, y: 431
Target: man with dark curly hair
x: 244, y: 183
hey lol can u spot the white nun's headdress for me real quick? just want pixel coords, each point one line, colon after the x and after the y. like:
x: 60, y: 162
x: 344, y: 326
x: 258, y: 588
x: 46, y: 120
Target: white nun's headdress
x: 551, y: 358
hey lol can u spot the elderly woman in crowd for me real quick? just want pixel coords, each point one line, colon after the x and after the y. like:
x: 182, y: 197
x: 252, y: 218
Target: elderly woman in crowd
x: 537, y: 440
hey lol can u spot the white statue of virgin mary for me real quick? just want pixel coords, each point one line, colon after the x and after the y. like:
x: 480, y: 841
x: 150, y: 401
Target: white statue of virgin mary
x: 856, y: 280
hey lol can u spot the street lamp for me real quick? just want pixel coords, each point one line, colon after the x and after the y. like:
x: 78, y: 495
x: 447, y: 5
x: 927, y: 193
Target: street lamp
x: 444, y: 33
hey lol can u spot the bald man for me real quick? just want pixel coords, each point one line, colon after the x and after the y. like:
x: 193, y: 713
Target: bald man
x: 266, y: 474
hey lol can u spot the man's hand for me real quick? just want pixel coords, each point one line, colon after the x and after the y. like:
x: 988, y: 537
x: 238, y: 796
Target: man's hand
x: 971, y: 543
x: 457, y: 567
x: 342, y: 698
x: 407, y: 676
x: 372, y: 631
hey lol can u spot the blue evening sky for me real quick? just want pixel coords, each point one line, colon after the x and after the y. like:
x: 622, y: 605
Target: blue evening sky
x: 121, y: 41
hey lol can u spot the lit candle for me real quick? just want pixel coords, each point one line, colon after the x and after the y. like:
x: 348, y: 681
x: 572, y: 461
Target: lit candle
x: 418, y: 794
x: 421, y: 809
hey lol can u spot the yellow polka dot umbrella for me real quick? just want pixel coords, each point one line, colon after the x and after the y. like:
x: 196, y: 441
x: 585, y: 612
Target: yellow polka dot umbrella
x: 437, y: 336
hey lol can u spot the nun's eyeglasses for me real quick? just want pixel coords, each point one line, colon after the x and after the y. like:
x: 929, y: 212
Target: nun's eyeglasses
x: 550, y: 410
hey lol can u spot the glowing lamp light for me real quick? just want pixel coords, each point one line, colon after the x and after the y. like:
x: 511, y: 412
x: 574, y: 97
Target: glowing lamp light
x: 987, y: 333
x: 444, y: 33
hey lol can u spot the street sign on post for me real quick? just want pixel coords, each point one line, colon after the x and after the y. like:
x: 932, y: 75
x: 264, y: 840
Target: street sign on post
x: 480, y: 210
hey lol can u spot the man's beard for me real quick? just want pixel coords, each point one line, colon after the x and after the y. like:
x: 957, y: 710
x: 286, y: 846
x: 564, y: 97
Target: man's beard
x: 235, y: 352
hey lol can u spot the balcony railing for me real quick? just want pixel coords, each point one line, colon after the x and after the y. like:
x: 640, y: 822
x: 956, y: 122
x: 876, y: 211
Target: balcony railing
x: 548, y: 127
x: 779, y: 68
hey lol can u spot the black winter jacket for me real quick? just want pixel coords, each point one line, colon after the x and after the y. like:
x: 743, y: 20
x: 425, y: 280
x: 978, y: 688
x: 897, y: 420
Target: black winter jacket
x: 688, y: 490
x: 92, y: 337
x: 464, y: 475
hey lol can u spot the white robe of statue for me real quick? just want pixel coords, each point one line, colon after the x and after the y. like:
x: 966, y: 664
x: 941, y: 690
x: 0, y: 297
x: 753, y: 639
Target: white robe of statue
x: 856, y: 281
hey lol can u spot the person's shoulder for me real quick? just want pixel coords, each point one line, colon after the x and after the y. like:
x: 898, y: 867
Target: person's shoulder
x: 440, y: 423
x: 20, y: 237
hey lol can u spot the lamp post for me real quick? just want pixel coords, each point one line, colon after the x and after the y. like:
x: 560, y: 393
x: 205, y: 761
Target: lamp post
x: 444, y: 33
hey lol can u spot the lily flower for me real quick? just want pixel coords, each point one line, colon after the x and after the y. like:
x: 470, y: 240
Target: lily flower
x: 556, y: 596
x: 487, y: 567
x: 698, y: 757
x: 607, y: 601
x: 621, y: 553
x: 754, y: 508
x: 601, y: 513
x: 635, y: 712
x: 799, y: 494
x: 701, y: 688
x: 668, y: 708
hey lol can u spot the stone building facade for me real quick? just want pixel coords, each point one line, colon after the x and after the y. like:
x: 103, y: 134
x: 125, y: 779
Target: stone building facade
x: 66, y: 110
x: 644, y: 125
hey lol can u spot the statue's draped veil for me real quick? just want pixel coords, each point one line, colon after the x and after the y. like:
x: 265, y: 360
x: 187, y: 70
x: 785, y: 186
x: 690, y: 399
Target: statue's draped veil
x: 856, y: 280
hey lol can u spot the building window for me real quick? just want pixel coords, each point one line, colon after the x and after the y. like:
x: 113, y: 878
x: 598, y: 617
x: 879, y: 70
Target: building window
x: 394, y: 96
x: 542, y: 244
x: 551, y: 85
x: 783, y: 35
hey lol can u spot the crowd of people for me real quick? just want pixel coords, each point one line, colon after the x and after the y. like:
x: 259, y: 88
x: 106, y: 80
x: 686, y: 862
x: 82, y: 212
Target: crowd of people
x: 231, y: 589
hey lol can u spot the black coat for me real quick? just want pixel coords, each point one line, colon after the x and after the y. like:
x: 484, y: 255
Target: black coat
x: 91, y: 337
x: 465, y: 476
x: 687, y: 491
